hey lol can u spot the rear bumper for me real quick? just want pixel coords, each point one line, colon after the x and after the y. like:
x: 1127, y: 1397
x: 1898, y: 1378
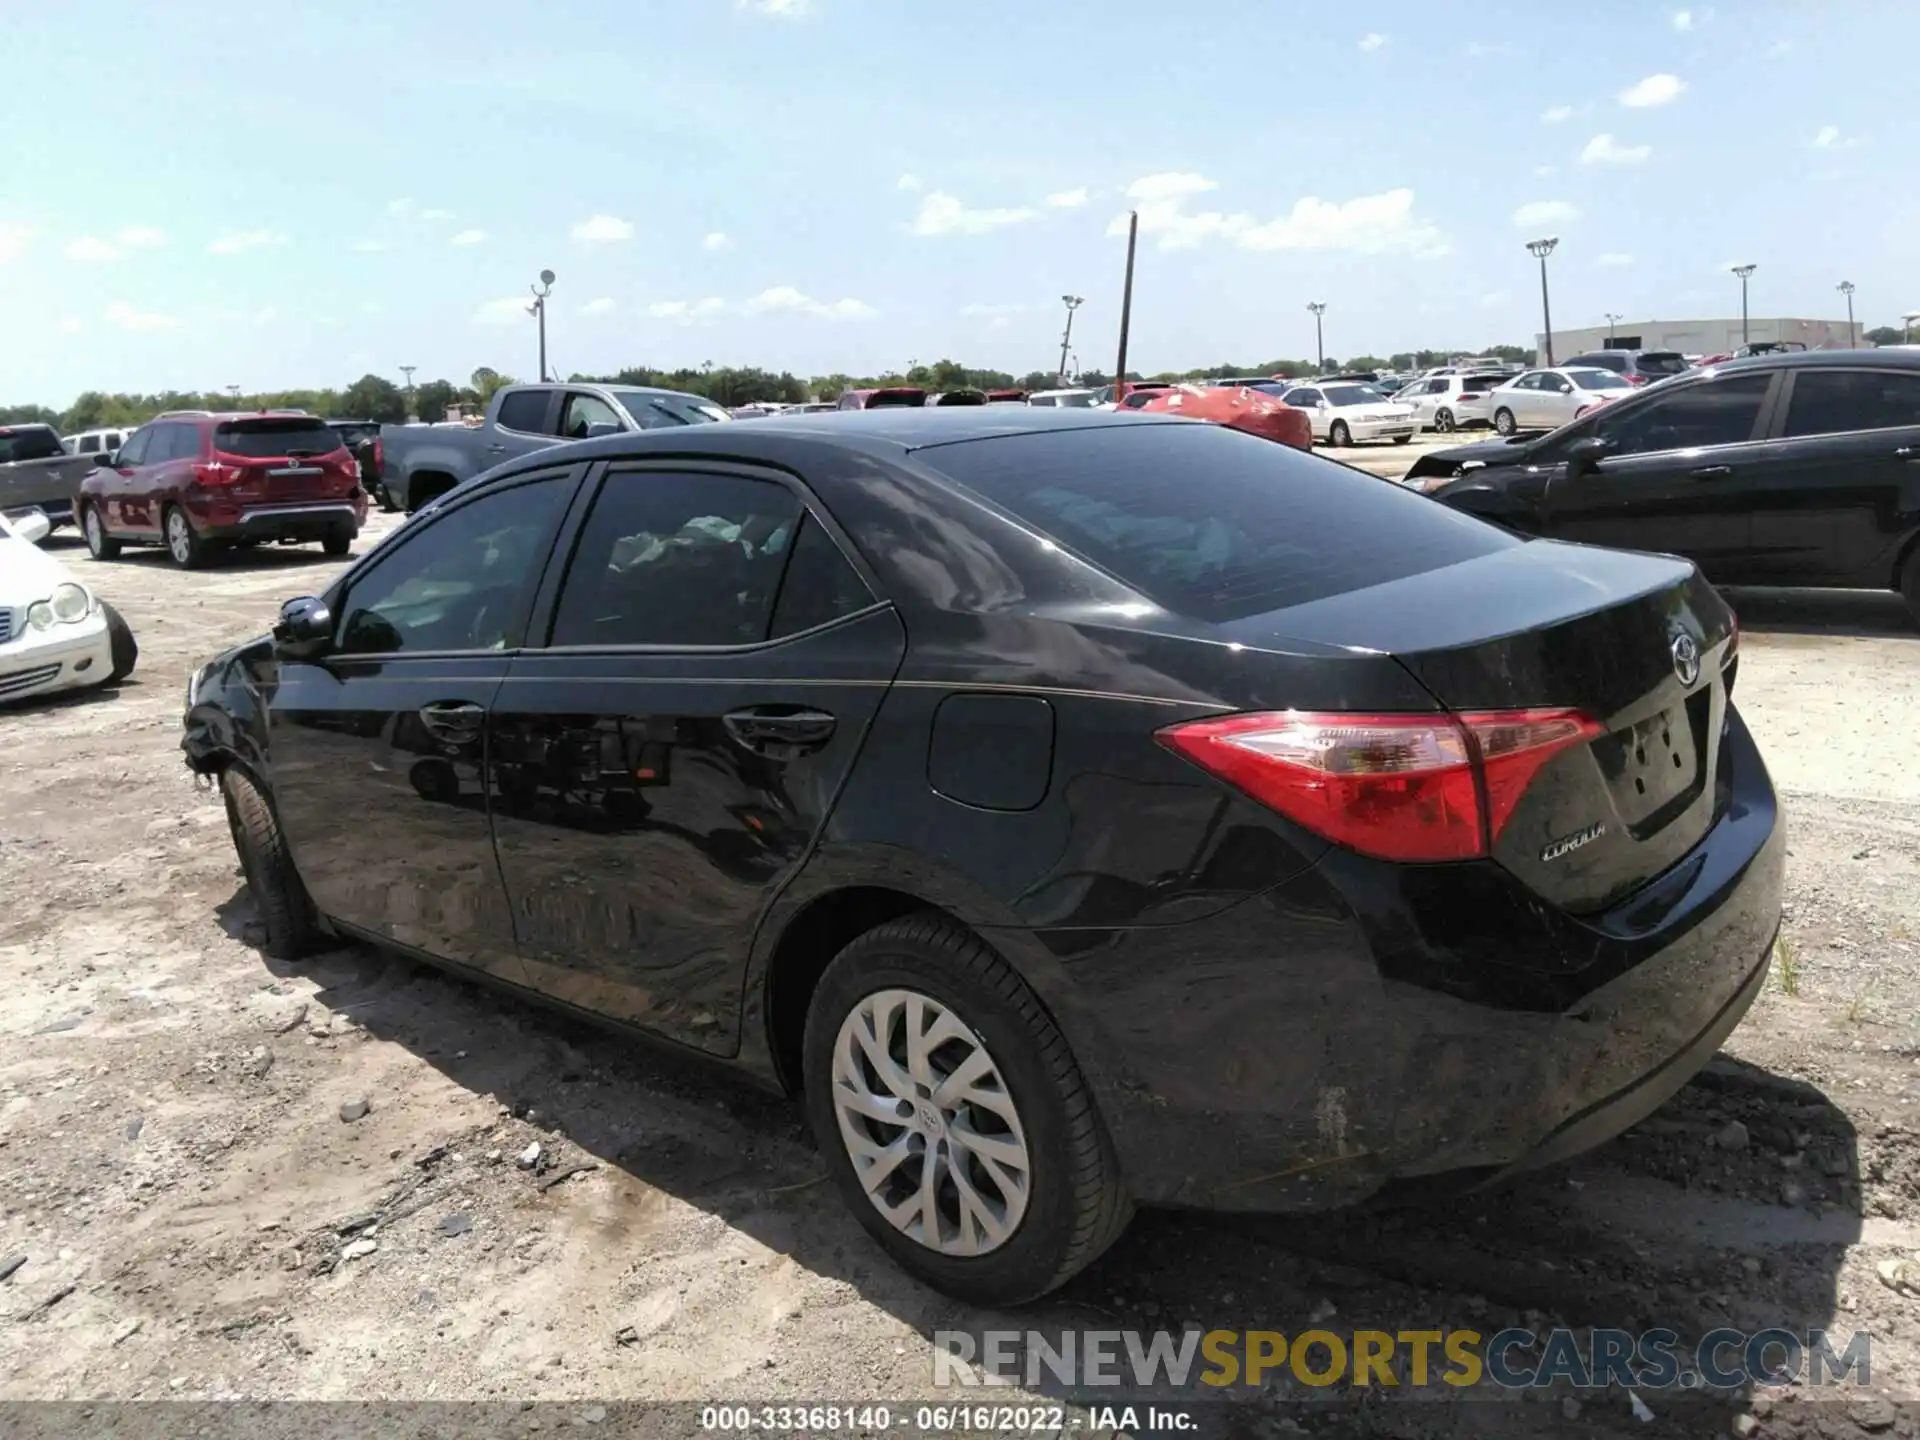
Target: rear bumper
x: 310, y: 520
x: 1315, y: 1046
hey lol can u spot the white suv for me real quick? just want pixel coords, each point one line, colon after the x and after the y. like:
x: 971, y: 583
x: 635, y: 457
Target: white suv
x: 1452, y: 402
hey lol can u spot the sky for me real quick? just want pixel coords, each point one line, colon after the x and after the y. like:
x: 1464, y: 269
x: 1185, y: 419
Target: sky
x: 194, y: 195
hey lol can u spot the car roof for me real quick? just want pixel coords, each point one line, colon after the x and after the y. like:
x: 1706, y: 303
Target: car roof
x: 1824, y: 360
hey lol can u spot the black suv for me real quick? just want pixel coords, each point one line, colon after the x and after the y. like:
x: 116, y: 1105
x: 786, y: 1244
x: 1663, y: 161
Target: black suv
x: 1642, y: 367
x: 1798, y: 468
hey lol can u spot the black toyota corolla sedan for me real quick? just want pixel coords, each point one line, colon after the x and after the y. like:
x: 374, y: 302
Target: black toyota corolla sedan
x: 1077, y: 810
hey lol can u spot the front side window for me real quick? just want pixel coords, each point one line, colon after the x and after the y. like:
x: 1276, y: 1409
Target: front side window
x: 585, y: 411
x: 1826, y: 402
x: 677, y: 560
x: 462, y: 582
x: 1304, y: 399
x: 134, y: 452
x: 1714, y: 412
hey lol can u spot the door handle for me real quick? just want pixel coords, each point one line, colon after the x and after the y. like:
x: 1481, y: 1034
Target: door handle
x: 779, y: 732
x: 454, y: 720
x: 1907, y: 452
x: 496, y: 449
x: 1712, y: 472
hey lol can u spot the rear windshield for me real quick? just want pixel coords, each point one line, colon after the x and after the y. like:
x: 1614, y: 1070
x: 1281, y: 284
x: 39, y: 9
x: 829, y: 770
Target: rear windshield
x: 1615, y: 362
x: 1482, y: 382
x: 1211, y: 523
x: 265, y: 439
x: 896, y: 399
x: 1662, y: 362
x: 29, y: 442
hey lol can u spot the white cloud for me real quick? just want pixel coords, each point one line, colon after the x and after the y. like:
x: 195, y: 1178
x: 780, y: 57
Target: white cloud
x: 1654, y: 90
x: 784, y: 9
x: 602, y: 305
x: 600, y: 229
x: 909, y: 181
x: 717, y: 240
x: 370, y: 247
x: 1558, y: 114
x: 266, y: 316
x: 1683, y: 20
x: 1067, y: 199
x: 1605, y: 150
x: 1779, y: 48
x: 125, y: 316
x: 468, y: 237
x: 999, y: 323
x: 694, y: 313
x: 70, y: 325
x: 786, y: 299
x: 436, y: 214
x: 1372, y: 41
x: 942, y: 214
x: 1546, y: 172
x: 1614, y: 260
x: 90, y: 249
x: 13, y: 242
x: 1536, y: 213
x: 1367, y: 224
x: 502, y: 312
x: 1830, y: 138
x: 245, y: 240
x: 140, y: 237
x: 402, y: 206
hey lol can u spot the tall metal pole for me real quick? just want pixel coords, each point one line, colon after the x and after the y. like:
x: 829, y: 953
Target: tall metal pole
x: 1845, y: 287
x: 539, y: 309
x: 1126, y: 309
x: 1073, y: 303
x: 1319, y: 308
x: 1542, y: 248
x: 1612, y: 320
x: 1744, y: 271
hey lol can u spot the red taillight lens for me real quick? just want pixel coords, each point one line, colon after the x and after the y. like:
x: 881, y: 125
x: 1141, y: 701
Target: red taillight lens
x: 1399, y: 787
x: 213, y: 472
x: 1636, y: 379
x: 379, y: 459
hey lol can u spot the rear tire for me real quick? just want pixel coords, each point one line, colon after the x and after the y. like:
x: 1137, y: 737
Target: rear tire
x: 1910, y: 583
x: 1339, y: 436
x: 184, y: 544
x: 1503, y: 421
x: 1074, y: 1206
x: 100, y: 545
x: 338, y: 543
x: 286, y: 912
x: 385, y: 497
x: 121, y: 644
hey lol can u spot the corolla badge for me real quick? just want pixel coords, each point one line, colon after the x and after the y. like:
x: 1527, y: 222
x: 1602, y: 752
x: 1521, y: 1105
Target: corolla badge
x: 1567, y: 844
x: 1686, y: 659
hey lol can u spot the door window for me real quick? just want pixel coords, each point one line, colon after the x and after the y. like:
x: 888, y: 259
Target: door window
x: 462, y: 582
x: 584, y: 411
x: 1714, y: 412
x: 820, y: 585
x: 677, y: 560
x: 1304, y: 399
x: 89, y: 445
x: 1826, y: 402
x: 173, y: 442
x: 525, y: 411
x: 134, y: 452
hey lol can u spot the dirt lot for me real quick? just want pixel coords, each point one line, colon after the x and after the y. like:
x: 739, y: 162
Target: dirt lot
x: 198, y: 1220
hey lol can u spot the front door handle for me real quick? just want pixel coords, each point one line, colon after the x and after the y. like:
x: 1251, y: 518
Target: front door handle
x: 457, y: 721
x: 1907, y: 452
x: 780, y: 732
x: 1712, y: 472
x: 496, y: 449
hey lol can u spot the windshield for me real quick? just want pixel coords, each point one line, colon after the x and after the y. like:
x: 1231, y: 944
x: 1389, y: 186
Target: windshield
x: 653, y: 411
x: 1345, y: 395
x: 1598, y: 380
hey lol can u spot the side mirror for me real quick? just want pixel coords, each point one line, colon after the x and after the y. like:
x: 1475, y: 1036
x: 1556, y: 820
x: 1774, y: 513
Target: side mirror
x: 304, y: 629
x: 601, y: 427
x: 1585, y: 454
x: 104, y: 460
x: 32, y: 527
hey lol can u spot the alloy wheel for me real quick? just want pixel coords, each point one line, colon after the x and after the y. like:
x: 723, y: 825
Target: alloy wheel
x: 934, y: 1135
x: 179, y: 537
x: 94, y: 533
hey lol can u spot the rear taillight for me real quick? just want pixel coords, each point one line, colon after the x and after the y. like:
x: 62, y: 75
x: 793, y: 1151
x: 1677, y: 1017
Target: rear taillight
x: 1636, y: 379
x: 1400, y: 787
x: 214, y: 472
x: 379, y: 459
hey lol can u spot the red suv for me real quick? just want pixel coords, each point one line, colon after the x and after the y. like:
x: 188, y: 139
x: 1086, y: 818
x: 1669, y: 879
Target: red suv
x: 197, y: 482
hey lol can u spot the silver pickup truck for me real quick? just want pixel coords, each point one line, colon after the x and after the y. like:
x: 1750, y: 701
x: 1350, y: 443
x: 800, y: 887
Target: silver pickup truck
x: 420, y: 462
x: 37, y: 474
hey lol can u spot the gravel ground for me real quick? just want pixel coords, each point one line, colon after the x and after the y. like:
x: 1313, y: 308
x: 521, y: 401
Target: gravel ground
x: 199, y: 1218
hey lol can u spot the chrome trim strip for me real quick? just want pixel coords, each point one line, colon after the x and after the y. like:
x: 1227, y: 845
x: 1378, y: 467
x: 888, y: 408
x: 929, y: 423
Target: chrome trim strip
x: 267, y: 512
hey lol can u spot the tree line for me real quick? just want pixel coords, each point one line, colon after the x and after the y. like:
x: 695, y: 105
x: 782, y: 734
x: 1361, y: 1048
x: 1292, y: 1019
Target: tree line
x: 373, y: 397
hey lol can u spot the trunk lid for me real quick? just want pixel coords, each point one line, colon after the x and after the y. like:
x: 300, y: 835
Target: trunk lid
x: 1637, y: 642
x: 284, y: 459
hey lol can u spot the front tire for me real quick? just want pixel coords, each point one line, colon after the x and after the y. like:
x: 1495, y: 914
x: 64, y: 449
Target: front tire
x: 1444, y: 423
x: 1503, y: 421
x: 100, y: 545
x: 292, y: 926
x: 983, y: 1167
x: 124, y: 649
x: 184, y: 544
x: 1339, y: 436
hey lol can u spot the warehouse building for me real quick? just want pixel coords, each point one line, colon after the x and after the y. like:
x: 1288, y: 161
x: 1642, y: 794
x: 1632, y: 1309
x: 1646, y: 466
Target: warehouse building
x: 1699, y: 337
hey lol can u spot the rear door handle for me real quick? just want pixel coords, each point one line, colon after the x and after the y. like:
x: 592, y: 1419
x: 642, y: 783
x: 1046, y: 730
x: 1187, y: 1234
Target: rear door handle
x: 453, y: 720
x: 779, y: 732
x: 1712, y: 472
x: 496, y: 449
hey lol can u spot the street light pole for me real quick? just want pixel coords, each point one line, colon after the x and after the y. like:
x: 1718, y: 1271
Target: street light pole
x: 1612, y: 320
x: 1126, y: 308
x: 1907, y: 320
x: 1845, y: 287
x: 1540, y: 249
x: 1319, y: 308
x: 539, y: 311
x: 1073, y: 303
x: 1745, y: 272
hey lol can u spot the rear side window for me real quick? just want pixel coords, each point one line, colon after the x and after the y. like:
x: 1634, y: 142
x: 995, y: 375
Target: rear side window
x: 1211, y: 523
x: 525, y: 411
x: 820, y: 584
x: 680, y: 560
x: 271, y: 439
x: 1662, y: 362
x: 1826, y: 402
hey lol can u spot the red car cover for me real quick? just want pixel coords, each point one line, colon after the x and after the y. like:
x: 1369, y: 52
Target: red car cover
x: 1249, y: 410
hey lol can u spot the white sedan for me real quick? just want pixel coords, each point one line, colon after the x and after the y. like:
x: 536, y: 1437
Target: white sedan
x: 55, y: 633
x: 1345, y: 412
x: 1548, y: 399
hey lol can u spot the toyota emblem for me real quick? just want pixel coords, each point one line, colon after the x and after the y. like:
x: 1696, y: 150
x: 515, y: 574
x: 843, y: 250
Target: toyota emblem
x: 1686, y: 659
